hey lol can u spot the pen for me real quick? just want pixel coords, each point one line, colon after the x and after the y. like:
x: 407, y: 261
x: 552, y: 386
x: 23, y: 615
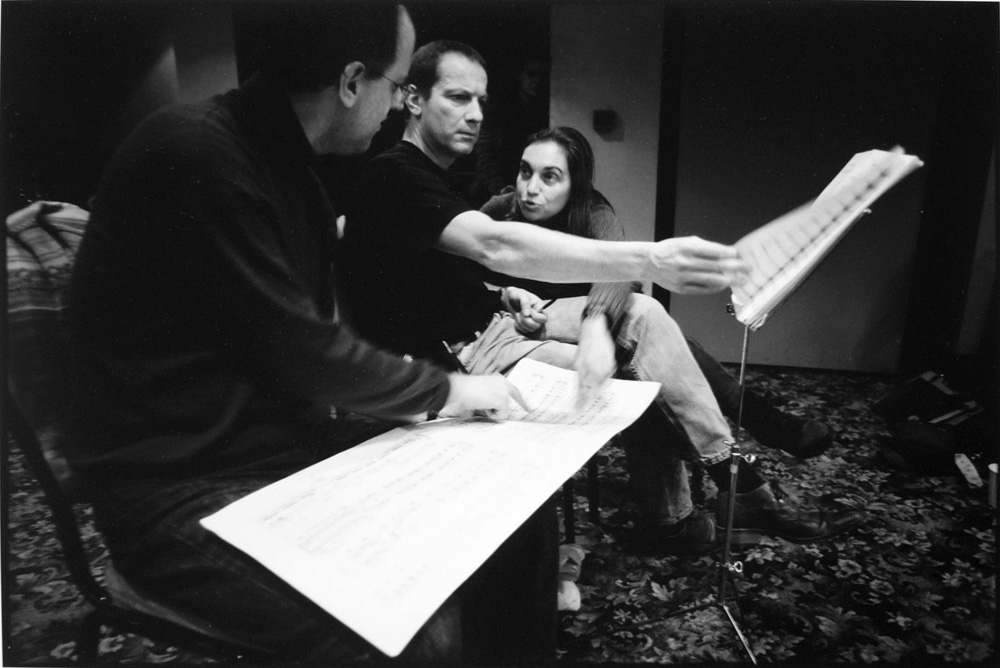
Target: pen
x: 548, y: 303
x: 454, y: 358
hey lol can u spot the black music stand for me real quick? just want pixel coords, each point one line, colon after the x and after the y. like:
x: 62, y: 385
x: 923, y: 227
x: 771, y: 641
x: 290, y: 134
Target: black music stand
x: 851, y: 204
x: 727, y: 566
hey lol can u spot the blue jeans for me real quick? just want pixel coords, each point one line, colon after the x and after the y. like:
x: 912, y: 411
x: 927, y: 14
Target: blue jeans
x: 684, y: 423
x: 507, y: 609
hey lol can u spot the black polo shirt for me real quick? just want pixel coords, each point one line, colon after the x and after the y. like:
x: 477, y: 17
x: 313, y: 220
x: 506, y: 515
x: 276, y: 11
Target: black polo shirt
x: 405, y: 294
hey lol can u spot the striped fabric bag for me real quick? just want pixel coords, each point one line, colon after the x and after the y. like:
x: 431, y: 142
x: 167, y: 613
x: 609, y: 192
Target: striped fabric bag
x: 42, y: 240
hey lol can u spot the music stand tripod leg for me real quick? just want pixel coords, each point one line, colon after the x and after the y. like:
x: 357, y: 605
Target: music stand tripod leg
x: 728, y: 567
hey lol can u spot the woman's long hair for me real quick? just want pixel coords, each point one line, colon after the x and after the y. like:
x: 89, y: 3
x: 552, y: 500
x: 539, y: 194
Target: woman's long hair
x: 580, y: 160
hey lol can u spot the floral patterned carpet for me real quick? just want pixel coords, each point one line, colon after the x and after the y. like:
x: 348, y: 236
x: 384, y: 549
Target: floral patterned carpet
x: 916, y: 585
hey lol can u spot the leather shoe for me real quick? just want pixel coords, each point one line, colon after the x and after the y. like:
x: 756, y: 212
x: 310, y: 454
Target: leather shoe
x: 765, y: 511
x: 813, y: 439
x: 694, y: 535
x: 773, y: 428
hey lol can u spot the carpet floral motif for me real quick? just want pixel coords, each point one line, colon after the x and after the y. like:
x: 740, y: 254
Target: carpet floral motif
x: 915, y: 585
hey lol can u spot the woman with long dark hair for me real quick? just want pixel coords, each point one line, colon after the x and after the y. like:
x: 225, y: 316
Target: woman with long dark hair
x: 625, y: 333
x: 581, y: 209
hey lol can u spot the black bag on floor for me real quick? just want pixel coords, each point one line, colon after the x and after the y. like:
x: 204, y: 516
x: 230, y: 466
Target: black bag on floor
x: 931, y: 423
x: 927, y: 398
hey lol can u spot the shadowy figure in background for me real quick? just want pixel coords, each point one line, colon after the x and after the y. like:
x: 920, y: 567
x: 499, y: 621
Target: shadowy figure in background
x: 511, y: 116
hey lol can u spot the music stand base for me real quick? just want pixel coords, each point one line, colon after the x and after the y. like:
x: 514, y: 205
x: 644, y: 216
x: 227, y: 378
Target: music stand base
x: 728, y: 566
x: 722, y: 605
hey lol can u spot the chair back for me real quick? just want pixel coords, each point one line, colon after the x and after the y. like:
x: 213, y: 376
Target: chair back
x: 42, y: 240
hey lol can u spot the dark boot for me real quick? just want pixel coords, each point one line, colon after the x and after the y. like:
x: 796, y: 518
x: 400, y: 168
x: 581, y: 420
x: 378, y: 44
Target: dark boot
x: 773, y: 428
x: 694, y: 535
x: 765, y: 511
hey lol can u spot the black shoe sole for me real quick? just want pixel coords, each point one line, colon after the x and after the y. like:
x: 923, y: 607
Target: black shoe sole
x: 669, y: 548
x: 814, y: 449
x: 743, y: 539
x: 814, y: 539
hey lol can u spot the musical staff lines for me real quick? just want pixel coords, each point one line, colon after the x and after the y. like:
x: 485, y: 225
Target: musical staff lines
x: 784, y: 252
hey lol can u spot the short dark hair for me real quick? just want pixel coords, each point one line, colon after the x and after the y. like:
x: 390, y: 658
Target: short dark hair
x: 305, y: 46
x: 424, y: 64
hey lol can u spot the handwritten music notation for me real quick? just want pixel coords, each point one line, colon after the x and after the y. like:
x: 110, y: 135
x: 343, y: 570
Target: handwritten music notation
x: 381, y: 534
x: 784, y: 252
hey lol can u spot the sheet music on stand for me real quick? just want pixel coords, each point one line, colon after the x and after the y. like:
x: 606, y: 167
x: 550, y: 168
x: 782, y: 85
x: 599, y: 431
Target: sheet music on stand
x: 784, y: 252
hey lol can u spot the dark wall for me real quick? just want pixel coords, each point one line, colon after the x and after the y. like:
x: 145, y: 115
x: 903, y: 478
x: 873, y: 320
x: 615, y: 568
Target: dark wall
x: 503, y: 31
x: 962, y: 145
x: 775, y: 97
x: 68, y: 73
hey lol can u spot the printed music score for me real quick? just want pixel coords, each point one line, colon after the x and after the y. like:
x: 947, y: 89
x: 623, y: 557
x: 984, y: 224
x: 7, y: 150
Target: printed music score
x: 381, y: 534
x: 784, y: 252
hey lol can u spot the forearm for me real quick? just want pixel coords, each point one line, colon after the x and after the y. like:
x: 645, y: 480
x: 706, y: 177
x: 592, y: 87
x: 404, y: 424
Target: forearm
x: 687, y: 265
x: 562, y: 258
x: 528, y: 251
x: 329, y: 365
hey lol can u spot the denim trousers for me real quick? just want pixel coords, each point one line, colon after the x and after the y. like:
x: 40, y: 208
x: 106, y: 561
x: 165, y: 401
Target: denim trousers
x: 684, y: 424
x: 506, y: 611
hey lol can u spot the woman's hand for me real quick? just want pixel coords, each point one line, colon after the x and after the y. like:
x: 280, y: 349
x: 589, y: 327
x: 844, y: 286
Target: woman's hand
x: 526, y: 308
x: 595, y: 358
x: 691, y: 265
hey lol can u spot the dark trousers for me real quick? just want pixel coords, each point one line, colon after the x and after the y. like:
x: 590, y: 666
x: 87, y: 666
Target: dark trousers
x: 505, y: 612
x: 659, y: 482
x: 725, y: 386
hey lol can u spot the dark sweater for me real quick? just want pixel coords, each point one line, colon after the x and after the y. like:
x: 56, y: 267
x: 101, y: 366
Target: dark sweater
x: 611, y: 299
x: 203, y: 302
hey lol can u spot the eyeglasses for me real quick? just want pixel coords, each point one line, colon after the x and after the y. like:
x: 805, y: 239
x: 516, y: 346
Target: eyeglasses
x: 396, y: 86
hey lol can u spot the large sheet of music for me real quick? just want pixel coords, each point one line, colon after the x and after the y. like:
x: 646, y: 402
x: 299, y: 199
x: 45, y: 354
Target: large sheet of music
x: 784, y: 252
x: 381, y: 534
